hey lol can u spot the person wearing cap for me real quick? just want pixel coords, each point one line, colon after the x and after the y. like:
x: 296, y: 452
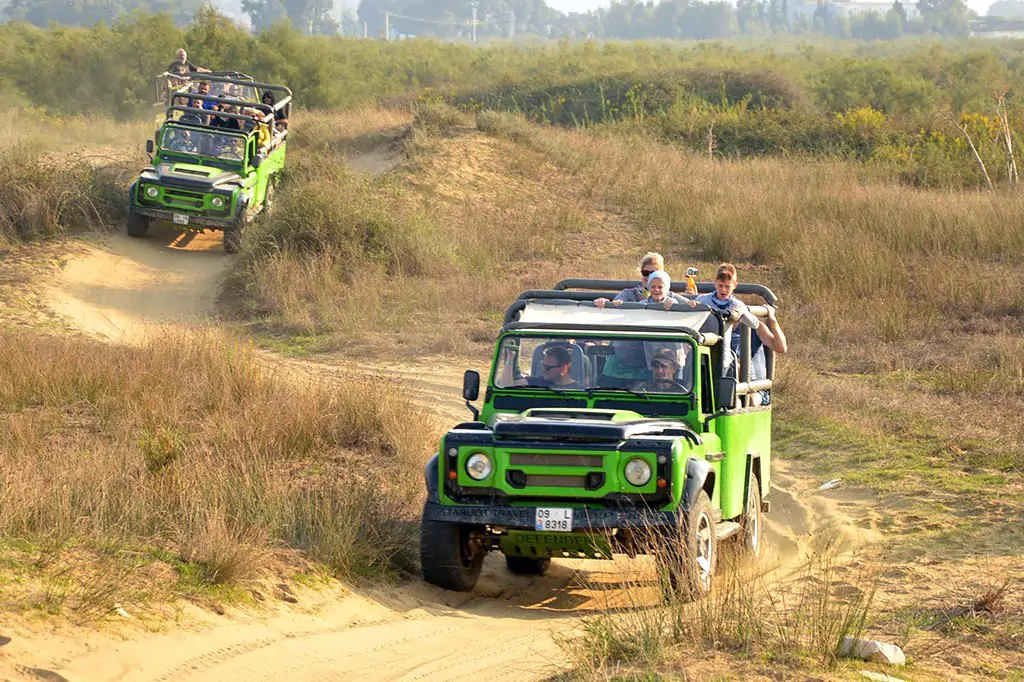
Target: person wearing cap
x: 629, y: 363
x: 664, y: 374
x: 659, y: 284
x: 651, y: 262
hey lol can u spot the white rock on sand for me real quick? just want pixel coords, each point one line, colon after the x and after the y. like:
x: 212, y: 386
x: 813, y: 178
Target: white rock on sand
x: 872, y: 650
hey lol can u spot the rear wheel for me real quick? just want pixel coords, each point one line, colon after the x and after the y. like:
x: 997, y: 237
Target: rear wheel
x: 523, y: 565
x: 686, y: 565
x: 748, y: 540
x: 447, y: 558
x: 138, y: 225
x: 268, y: 198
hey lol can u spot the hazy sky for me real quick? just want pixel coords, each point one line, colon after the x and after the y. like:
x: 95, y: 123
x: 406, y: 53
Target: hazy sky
x: 979, y: 6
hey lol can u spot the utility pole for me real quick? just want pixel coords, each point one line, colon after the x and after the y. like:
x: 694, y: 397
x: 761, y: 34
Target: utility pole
x: 474, y: 22
x: 511, y: 23
x: 387, y: 26
x: 366, y: 29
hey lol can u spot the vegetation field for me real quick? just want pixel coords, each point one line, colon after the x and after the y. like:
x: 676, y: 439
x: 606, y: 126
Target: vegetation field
x: 842, y: 176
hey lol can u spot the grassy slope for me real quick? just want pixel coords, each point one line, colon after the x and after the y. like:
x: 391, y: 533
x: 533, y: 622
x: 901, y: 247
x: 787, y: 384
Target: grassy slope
x: 904, y: 375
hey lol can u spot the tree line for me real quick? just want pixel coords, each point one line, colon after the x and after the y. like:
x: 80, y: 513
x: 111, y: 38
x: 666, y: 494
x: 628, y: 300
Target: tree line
x: 623, y: 19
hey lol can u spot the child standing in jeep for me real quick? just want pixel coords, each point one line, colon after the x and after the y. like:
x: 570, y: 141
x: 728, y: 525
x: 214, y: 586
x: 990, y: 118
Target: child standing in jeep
x: 723, y: 301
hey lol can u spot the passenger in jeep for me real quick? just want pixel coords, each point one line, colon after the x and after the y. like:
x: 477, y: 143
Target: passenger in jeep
x: 181, y: 66
x: 556, y: 371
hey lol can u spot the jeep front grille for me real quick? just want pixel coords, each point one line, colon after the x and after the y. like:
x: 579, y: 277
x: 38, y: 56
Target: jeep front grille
x: 556, y: 481
x: 547, y: 459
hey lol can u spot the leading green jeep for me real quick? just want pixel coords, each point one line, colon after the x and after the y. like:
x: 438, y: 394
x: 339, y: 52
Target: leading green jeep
x: 212, y: 169
x: 654, y: 438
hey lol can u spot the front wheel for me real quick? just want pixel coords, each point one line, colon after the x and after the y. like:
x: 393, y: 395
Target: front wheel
x: 446, y: 557
x: 686, y: 565
x: 523, y: 565
x: 233, y: 234
x: 138, y: 225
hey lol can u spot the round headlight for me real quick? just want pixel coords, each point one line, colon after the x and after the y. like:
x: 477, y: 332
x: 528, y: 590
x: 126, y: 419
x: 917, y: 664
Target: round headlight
x: 638, y: 472
x: 218, y: 202
x: 151, y: 192
x: 479, y: 466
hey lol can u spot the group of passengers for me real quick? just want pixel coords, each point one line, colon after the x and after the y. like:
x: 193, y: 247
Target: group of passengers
x: 227, y: 115
x: 632, y: 365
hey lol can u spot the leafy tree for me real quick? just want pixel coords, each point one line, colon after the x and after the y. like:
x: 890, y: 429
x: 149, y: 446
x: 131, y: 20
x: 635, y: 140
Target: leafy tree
x: 751, y: 16
x: 89, y: 12
x: 947, y: 17
x: 308, y: 16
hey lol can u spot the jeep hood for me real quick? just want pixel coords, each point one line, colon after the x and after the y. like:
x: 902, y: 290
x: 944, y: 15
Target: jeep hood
x: 586, y: 425
x: 192, y: 176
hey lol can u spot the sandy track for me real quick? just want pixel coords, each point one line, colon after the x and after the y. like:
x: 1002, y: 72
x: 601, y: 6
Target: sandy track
x: 125, y: 286
x: 505, y: 629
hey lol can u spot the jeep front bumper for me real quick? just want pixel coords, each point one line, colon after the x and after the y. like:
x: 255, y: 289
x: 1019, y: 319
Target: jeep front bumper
x: 523, y: 517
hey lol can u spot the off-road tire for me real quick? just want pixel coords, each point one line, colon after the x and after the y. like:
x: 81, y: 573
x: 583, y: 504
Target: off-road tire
x: 138, y: 225
x: 444, y: 556
x: 524, y: 565
x: 268, y: 199
x: 233, y: 234
x: 681, y: 575
x: 751, y: 536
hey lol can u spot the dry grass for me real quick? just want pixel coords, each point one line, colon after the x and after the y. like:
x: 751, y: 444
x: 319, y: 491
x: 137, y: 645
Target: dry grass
x: 918, y: 288
x: 188, y: 448
x: 61, y: 177
x: 795, y: 618
x: 462, y: 225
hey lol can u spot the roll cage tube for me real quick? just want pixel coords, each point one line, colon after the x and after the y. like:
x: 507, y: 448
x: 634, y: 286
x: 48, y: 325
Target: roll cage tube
x: 678, y: 286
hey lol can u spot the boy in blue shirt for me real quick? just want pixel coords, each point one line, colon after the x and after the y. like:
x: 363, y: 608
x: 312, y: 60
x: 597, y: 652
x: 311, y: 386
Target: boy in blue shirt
x: 769, y: 333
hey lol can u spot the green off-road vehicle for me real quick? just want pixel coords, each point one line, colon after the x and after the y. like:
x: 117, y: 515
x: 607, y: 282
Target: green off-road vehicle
x: 215, y: 156
x: 654, y: 438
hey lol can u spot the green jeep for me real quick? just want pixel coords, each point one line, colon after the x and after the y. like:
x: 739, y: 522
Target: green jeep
x: 626, y: 429
x: 212, y: 170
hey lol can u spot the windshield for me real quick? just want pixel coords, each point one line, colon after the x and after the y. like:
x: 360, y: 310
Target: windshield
x: 581, y: 363
x: 218, y: 145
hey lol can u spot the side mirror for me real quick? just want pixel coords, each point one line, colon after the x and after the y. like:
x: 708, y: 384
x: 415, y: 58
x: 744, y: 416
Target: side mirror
x: 471, y: 385
x: 256, y: 161
x: 149, y: 147
x: 725, y: 396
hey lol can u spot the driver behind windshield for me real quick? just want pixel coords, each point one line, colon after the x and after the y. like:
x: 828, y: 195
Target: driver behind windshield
x: 181, y: 141
x: 664, y: 373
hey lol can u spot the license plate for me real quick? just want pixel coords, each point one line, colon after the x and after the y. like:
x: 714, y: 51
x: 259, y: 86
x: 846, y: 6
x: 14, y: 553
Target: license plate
x: 180, y: 219
x: 553, y: 518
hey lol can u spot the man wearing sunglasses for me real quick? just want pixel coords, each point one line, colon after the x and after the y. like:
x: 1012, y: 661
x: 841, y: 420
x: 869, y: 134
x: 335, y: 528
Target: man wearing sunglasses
x: 556, y: 368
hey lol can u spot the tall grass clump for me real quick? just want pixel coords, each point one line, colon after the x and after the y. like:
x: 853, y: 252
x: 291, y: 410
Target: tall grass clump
x: 453, y: 227
x: 799, y: 617
x: 189, y: 450
x: 45, y: 196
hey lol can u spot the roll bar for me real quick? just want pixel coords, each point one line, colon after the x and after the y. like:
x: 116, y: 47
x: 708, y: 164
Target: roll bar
x: 560, y: 294
x: 207, y: 112
x: 678, y: 286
